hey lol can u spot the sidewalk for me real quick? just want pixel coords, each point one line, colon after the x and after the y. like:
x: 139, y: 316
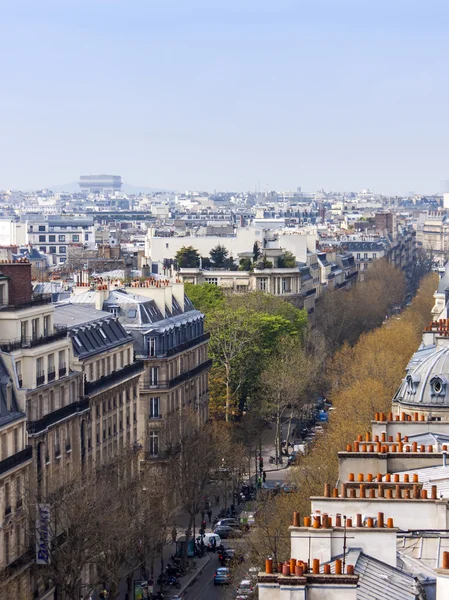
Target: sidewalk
x: 169, y: 549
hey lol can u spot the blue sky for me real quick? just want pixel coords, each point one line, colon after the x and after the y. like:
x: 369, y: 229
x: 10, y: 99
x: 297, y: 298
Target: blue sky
x: 215, y: 94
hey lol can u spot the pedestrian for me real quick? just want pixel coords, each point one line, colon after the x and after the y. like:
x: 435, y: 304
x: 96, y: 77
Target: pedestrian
x: 209, y: 514
x: 264, y: 476
x: 213, y: 543
x: 217, y: 500
x: 174, y: 535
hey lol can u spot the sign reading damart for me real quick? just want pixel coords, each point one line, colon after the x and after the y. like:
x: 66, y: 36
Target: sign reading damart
x: 43, y: 535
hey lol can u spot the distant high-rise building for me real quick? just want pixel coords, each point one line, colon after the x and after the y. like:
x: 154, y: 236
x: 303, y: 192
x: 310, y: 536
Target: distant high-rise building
x: 100, y: 183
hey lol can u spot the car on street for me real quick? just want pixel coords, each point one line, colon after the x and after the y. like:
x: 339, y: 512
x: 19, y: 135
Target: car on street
x: 246, y: 588
x: 228, y: 555
x: 230, y: 522
x: 225, y: 532
x: 207, y: 539
x: 222, y: 576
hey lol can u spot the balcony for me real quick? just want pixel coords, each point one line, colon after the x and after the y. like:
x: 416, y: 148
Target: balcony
x: 37, y: 300
x: 58, y: 415
x: 29, y: 342
x: 51, y: 375
x: 186, y: 345
x: 62, y: 370
x: 169, y: 383
x: 92, y: 387
x: 40, y: 378
x: 16, y: 459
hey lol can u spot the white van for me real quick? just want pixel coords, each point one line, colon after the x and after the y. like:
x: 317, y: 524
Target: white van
x: 207, y: 539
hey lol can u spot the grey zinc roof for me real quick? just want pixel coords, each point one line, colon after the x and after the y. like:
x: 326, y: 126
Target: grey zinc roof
x: 71, y: 315
x: 435, y: 364
x: 91, y: 330
x: 378, y: 581
x: 430, y: 476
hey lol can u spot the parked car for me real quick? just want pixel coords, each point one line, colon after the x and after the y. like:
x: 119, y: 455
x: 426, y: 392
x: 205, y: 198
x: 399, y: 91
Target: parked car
x: 227, y: 522
x: 225, y: 532
x: 222, y: 576
x: 246, y: 588
x: 207, y: 539
x: 228, y: 555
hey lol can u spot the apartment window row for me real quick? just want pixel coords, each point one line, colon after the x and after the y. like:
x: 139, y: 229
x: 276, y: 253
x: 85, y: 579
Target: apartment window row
x: 11, y: 442
x: 12, y: 494
x: 109, y: 405
x: 159, y: 345
x: 46, y: 369
x: 107, y: 365
x: 109, y: 427
x: 54, y: 399
x: 62, y: 239
x: 36, y: 328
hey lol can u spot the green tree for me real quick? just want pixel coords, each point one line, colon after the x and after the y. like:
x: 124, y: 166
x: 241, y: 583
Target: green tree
x: 263, y: 263
x: 187, y: 257
x: 205, y: 297
x: 232, y: 334
x: 245, y: 264
x: 218, y: 256
x: 288, y: 261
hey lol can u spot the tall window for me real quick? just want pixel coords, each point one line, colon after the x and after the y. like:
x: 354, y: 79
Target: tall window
x: 34, y: 328
x: 154, y: 375
x: 154, y: 443
x: 24, y: 330
x: 154, y: 408
x: 262, y: 283
x: 46, y: 325
x: 152, y: 347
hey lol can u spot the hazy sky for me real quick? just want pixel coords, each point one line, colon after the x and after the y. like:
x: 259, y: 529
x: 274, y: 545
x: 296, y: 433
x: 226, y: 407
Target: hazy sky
x: 222, y: 94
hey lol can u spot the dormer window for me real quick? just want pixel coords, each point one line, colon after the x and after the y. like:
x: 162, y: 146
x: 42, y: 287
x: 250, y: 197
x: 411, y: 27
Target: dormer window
x: 438, y: 386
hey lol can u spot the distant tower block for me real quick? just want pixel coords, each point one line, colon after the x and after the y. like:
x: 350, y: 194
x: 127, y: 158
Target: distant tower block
x: 95, y: 184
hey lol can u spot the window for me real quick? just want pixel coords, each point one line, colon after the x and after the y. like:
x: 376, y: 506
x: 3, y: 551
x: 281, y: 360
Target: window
x: 46, y: 325
x: 7, y: 498
x: 374, y: 255
x: 51, y: 402
x: 52, y: 249
x: 43, y: 249
x: 16, y: 440
x: 212, y: 280
x: 62, y: 249
x: 41, y: 227
x: 24, y: 330
x: 114, y: 362
x: 61, y: 238
x: 154, y: 443
x: 262, y: 284
x: 34, y: 328
x: 42, y: 238
x: 86, y: 237
x: 51, y: 238
x: 358, y: 256
x: 286, y: 285
x: 365, y: 256
x: 40, y: 370
x: 75, y: 238
x: 154, y: 408
x: 61, y: 259
x: 62, y: 396
x: 154, y: 375
x: 152, y: 347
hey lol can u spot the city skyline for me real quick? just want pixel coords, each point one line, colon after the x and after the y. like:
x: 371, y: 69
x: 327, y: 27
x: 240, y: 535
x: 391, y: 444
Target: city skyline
x: 339, y: 95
